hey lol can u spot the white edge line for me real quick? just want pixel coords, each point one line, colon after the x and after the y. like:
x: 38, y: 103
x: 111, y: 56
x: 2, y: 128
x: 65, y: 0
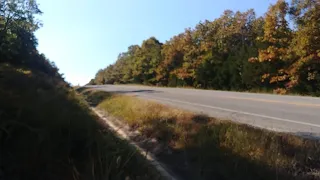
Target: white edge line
x: 234, y: 111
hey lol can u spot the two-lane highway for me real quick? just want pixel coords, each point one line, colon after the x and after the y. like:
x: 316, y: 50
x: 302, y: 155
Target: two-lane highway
x: 296, y: 114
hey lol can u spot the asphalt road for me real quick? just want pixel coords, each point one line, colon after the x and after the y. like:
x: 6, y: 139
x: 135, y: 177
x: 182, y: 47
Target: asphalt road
x: 300, y: 115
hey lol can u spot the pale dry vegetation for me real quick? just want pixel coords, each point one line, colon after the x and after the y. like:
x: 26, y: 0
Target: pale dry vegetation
x: 206, y: 148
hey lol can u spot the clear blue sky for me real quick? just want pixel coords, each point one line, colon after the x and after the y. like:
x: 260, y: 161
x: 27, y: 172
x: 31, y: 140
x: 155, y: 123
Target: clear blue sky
x: 83, y: 36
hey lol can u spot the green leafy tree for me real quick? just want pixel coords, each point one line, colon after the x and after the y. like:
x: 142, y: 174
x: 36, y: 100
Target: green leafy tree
x: 17, y: 18
x: 17, y: 40
x: 306, y: 70
x: 99, y: 79
x: 147, y: 59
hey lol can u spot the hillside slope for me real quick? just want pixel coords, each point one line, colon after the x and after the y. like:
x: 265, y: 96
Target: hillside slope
x: 48, y: 132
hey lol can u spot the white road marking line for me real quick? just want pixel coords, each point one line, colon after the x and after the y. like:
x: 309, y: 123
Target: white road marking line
x: 273, y: 101
x: 234, y: 111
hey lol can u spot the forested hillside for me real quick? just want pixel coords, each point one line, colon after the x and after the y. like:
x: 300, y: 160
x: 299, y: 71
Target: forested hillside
x: 47, y: 130
x: 278, y: 52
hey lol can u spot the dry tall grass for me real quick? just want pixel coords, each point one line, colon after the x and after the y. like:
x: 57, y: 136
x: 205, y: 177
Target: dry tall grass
x: 207, y: 148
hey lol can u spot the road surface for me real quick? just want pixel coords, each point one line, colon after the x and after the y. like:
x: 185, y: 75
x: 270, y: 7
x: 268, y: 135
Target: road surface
x: 300, y: 115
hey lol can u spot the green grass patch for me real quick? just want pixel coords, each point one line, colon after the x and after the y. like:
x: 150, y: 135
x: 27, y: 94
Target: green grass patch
x: 208, y: 148
x: 47, y: 131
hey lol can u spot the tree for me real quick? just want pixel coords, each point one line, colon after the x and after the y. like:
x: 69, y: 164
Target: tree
x: 15, y: 15
x: 306, y: 70
x: 277, y: 37
x: 186, y: 73
x: 172, y: 54
x: 148, y: 58
x: 99, y: 79
x: 17, y: 40
x: 237, y: 51
x: 129, y: 59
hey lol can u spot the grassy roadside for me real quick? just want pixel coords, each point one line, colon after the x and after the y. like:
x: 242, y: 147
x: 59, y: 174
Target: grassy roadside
x: 48, y: 132
x: 207, y: 148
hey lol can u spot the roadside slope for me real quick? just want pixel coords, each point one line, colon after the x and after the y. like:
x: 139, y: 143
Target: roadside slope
x: 48, y: 132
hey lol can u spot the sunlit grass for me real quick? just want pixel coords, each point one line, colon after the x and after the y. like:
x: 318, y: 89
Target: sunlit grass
x: 243, y: 152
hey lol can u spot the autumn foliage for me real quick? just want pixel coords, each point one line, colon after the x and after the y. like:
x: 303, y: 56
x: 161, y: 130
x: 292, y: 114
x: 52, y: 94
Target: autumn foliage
x: 278, y: 52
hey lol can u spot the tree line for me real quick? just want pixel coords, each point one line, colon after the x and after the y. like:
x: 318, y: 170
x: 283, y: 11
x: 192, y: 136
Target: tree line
x: 279, y: 52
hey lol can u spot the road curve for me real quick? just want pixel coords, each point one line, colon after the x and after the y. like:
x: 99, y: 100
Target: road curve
x: 300, y: 115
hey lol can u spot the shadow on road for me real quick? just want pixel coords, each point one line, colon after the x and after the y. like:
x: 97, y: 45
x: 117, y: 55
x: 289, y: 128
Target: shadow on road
x: 133, y: 91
